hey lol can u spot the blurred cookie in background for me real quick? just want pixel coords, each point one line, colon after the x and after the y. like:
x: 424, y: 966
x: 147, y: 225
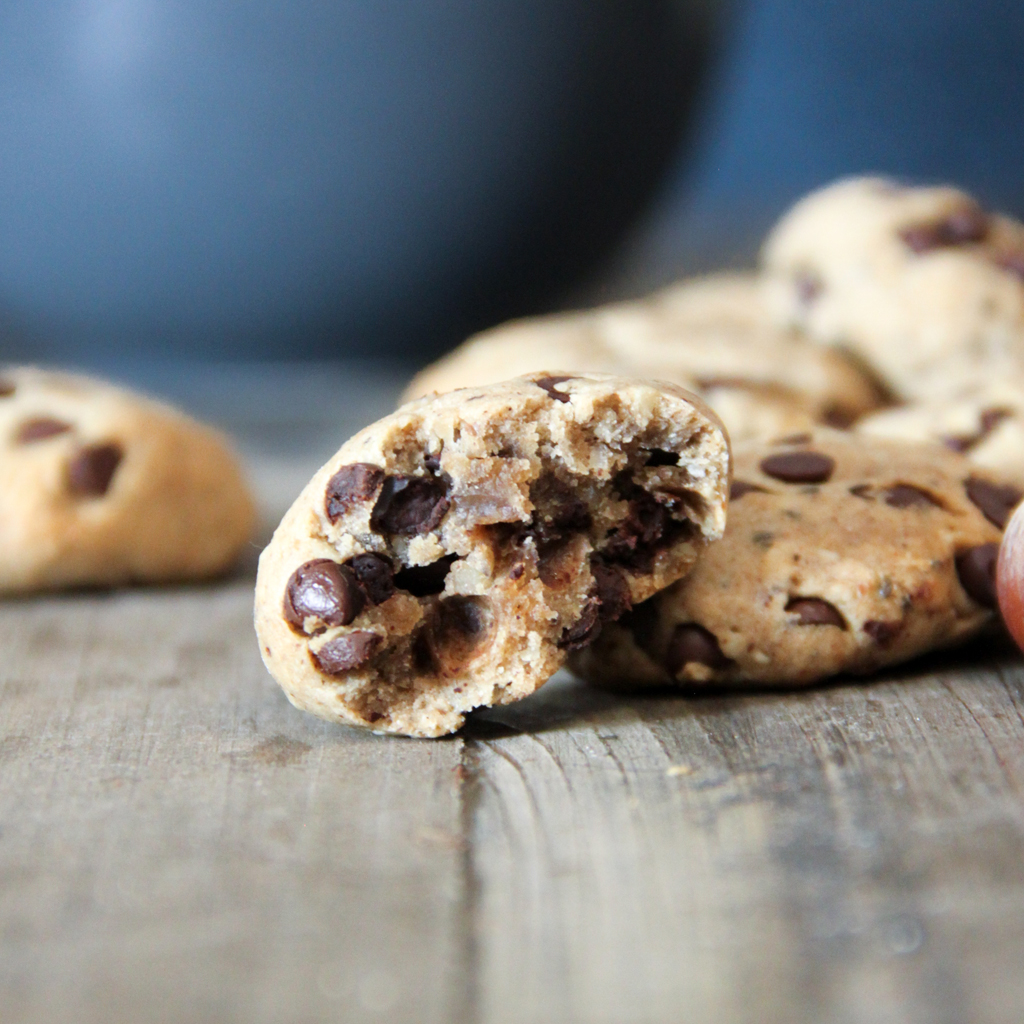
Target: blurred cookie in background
x: 921, y: 283
x: 104, y: 487
x: 985, y: 424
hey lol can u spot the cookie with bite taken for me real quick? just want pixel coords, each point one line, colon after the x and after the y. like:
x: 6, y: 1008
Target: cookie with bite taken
x: 454, y: 553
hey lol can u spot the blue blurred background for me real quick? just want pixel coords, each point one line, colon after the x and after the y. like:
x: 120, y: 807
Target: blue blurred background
x: 286, y: 179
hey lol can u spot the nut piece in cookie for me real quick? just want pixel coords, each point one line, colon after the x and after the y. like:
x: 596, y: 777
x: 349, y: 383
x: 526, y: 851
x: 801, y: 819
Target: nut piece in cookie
x: 103, y: 487
x: 453, y: 554
x: 842, y: 554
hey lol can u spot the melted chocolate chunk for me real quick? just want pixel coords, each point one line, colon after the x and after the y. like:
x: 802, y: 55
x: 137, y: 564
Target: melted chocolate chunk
x: 432, y: 462
x: 425, y: 580
x: 908, y: 496
x: 995, y: 501
x: 693, y: 644
x: 410, y: 505
x: 92, y: 468
x: 813, y: 611
x: 586, y: 628
x: 375, y: 575
x: 323, y: 589
x: 548, y: 384
x: 344, y: 653
x: 611, y: 589
x: 967, y: 225
x: 882, y: 632
x: 798, y: 467
x: 349, y: 486
x: 660, y: 457
x: 839, y: 417
x: 39, y: 429
x: 646, y: 528
x: 960, y: 442
x: 976, y: 570
x: 558, y: 511
x: 7, y: 387
x: 740, y: 487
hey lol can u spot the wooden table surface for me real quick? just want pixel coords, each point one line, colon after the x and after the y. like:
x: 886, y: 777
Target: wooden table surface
x: 179, y: 844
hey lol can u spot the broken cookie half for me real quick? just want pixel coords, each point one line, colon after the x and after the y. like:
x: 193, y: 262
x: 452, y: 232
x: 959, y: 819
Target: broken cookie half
x: 452, y: 554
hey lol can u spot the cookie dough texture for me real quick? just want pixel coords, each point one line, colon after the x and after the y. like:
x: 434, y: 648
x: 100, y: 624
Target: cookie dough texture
x: 985, y: 424
x: 921, y: 283
x: 842, y: 554
x: 451, y: 555
x: 711, y: 335
x: 102, y: 487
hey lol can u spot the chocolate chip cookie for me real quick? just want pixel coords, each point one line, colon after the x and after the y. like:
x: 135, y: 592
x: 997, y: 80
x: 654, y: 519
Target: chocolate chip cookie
x: 759, y: 380
x: 986, y: 424
x: 842, y: 554
x: 102, y: 486
x: 452, y: 554
x: 921, y: 283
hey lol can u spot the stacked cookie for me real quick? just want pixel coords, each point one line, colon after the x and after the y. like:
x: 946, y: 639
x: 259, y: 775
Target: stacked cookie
x: 871, y: 378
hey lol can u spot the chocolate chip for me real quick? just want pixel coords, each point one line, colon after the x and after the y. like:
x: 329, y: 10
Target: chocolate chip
x: 740, y: 487
x: 813, y: 611
x: 861, y: 491
x: 838, y: 417
x: 425, y: 580
x: 960, y: 443
x: 987, y: 422
x: 793, y: 439
x: 976, y: 570
x: 693, y: 644
x: 432, y: 462
x: 92, y: 468
x: 375, y: 574
x: 7, y: 387
x: 611, y: 589
x: 410, y: 505
x: 458, y: 630
x: 642, y: 622
x: 346, y: 652
x: 585, y: 630
x: 967, y: 225
x: 798, y: 467
x: 991, y: 418
x: 40, y: 428
x: 558, y: 511
x: 908, y: 496
x: 660, y: 457
x: 808, y: 287
x: 324, y: 590
x: 548, y: 384
x: 996, y: 501
x: 1013, y: 262
x: 882, y: 632
x: 350, y: 485
x: 637, y: 539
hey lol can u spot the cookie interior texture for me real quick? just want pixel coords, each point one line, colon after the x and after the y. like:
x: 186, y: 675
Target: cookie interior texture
x: 103, y: 486
x: 842, y: 554
x: 454, y: 553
